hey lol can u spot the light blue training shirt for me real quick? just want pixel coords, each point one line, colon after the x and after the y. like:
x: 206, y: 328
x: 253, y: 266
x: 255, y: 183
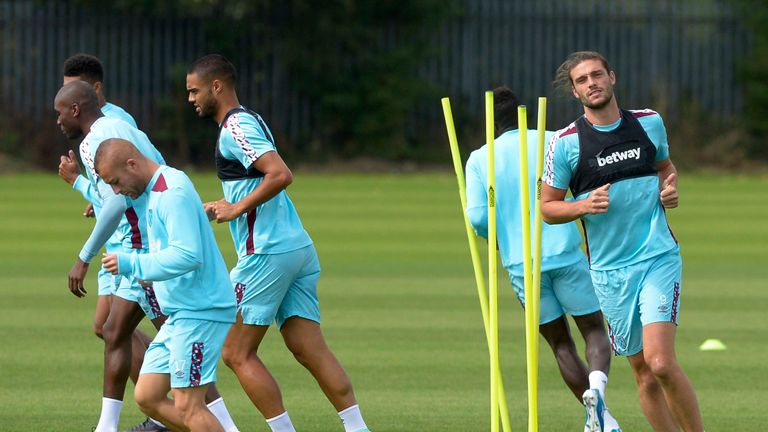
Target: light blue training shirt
x: 113, y: 111
x: 85, y: 187
x: 184, y: 262
x: 635, y: 227
x: 274, y: 226
x: 560, y: 243
x: 117, y: 213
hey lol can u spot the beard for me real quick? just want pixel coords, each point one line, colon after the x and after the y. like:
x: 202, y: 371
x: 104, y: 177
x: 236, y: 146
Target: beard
x: 210, y: 107
x: 599, y: 103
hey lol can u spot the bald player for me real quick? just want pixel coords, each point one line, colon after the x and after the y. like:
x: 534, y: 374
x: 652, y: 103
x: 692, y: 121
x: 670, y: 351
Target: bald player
x: 87, y: 68
x: 191, y: 281
x: 79, y: 114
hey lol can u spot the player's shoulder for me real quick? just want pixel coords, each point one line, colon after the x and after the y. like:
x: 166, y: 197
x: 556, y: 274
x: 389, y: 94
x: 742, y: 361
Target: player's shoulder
x: 646, y: 116
x: 240, y: 119
x: 566, y: 131
x: 111, y: 110
x: 105, y: 128
x: 111, y: 124
x: 241, y: 126
x: 171, y: 181
x: 644, y: 112
x: 478, y: 155
x: 174, y: 175
x: 649, y: 119
x: 567, y: 134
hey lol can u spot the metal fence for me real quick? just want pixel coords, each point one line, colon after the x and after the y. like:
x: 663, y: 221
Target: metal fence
x: 665, y: 52
x: 37, y: 36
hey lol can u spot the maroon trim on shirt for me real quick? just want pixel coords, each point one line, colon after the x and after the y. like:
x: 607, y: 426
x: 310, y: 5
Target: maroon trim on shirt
x: 160, y: 184
x: 643, y: 113
x: 586, y: 243
x: 251, y: 218
x: 133, y: 220
x: 571, y: 130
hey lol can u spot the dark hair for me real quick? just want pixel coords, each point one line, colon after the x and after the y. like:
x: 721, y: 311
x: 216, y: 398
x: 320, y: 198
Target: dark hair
x: 505, y: 105
x: 85, y: 66
x: 214, y: 66
x: 563, y: 79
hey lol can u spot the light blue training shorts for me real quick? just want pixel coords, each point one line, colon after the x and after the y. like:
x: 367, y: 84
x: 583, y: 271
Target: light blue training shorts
x: 563, y: 290
x: 637, y: 295
x: 188, y: 350
x: 130, y: 289
x: 276, y: 287
x: 107, y: 282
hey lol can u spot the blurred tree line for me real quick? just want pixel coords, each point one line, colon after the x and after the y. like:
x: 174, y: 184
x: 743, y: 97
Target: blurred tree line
x: 754, y: 75
x: 341, y: 56
x: 349, y: 75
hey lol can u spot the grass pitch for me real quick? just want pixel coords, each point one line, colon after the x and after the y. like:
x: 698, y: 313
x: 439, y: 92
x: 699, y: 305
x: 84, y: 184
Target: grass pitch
x: 399, y: 309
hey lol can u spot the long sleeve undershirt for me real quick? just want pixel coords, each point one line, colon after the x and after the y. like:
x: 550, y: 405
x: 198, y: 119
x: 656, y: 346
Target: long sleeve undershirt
x: 112, y: 210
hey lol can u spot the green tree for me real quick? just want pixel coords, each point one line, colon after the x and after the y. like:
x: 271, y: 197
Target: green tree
x: 753, y: 72
x: 355, y: 62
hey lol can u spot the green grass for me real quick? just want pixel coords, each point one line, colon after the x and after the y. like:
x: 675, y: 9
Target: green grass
x: 399, y: 310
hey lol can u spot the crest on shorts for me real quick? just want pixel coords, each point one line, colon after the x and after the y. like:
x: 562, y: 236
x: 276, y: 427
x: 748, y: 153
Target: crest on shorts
x: 663, y: 308
x: 178, y: 368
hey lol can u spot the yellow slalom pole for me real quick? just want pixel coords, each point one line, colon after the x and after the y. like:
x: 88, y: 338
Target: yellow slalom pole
x: 541, y: 128
x: 531, y: 326
x: 535, y: 298
x: 473, y: 250
x: 493, y: 287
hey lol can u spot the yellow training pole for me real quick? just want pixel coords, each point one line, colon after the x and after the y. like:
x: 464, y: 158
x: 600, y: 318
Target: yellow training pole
x: 493, y: 287
x: 473, y: 250
x: 541, y: 128
x: 535, y: 299
x: 531, y: 326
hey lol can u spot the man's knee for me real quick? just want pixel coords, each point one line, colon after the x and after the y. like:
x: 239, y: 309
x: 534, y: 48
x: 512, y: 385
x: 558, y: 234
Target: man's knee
x: 591, y: 326
x: 645, y: 379
x: 304, y: 340
x: 598, y: 346
x: 557, y: 335
x: 147, y: 399
x: 229, y: 355
x: 307, y: 351
x: 299, y: 351
x: 120, y: 324
x: 98, y: 329
x: 661, y: 366
x: 235, y: 355
x: 113, y: 332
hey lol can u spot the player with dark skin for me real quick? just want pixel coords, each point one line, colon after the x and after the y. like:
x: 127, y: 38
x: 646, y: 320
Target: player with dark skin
x: 75, y: 116
x: 557, y: 332
x: 580, y: 292
x: 69, y: 171
x: 89, y: 69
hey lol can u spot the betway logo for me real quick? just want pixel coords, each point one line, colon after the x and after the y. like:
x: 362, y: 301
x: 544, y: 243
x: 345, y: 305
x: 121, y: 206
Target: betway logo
x: 618, y: 157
